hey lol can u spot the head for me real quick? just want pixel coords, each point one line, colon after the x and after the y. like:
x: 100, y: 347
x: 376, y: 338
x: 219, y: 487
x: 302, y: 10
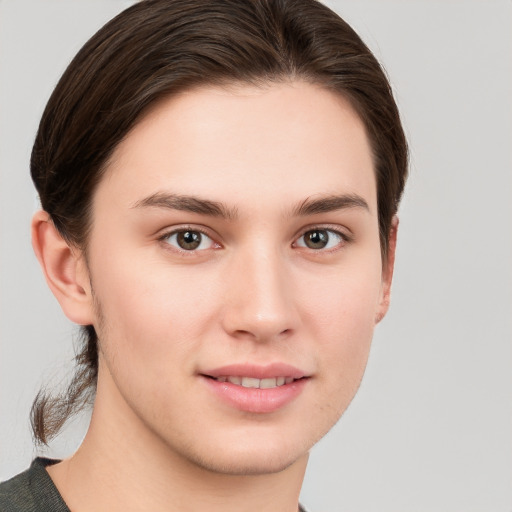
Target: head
x: 159, y: 67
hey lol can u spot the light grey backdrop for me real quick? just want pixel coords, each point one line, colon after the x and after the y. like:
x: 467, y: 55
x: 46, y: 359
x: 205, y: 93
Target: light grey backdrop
x: 430, y: 429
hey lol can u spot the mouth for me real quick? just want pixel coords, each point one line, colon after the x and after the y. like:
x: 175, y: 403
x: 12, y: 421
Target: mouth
x: 256, y: 389
x: 253, y: 382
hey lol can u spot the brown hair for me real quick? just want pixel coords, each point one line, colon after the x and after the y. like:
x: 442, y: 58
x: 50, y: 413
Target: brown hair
x: 159, y: 47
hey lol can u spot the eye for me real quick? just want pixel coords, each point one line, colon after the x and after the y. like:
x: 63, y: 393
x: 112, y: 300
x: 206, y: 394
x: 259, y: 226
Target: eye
x: 189, y: 240
x: 317, y: 239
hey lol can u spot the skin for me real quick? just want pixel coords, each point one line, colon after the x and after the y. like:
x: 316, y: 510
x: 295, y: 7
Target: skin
x: 253, y: 292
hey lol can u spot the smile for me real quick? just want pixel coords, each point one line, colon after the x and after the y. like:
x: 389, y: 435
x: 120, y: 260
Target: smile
x: 251, y: 382
x: 256, y: 389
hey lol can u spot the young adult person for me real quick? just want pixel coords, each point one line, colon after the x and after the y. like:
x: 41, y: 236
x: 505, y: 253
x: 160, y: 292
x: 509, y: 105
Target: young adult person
x: 219, y: 184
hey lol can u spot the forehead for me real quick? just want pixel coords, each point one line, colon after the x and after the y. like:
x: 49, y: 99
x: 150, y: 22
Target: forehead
x: 243, y: 144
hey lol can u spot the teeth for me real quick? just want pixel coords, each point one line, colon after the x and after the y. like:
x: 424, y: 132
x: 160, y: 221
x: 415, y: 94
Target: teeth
x: 268, y: 383
x: 251, y: 382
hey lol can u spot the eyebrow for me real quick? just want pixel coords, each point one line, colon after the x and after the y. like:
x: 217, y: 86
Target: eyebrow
x: 327, y: 204
x: 193, y: 204
x: 186, y: 203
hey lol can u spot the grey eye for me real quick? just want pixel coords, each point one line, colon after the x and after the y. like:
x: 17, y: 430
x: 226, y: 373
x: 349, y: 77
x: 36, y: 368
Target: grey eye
x: 317, y: 239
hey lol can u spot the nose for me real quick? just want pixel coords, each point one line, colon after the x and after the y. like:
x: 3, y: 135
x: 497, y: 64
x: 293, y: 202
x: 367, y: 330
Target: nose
x: 259, y: 298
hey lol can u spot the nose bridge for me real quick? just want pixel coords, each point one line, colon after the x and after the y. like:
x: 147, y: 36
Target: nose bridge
x: 259, y: 301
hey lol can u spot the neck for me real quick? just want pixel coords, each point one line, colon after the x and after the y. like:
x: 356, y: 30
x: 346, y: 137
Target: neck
x: 122, y: 466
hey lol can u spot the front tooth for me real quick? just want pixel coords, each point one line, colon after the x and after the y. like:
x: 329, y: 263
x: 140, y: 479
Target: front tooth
x: 268, y: 383
x: 235, y: 380
x: 249, y: 382
x: 280, y: 381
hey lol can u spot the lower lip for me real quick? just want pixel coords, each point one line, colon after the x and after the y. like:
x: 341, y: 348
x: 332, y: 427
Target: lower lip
x: 254, y: 399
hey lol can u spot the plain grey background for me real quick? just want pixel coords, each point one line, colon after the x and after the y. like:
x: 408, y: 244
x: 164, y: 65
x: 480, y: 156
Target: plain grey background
x: 430, y: 429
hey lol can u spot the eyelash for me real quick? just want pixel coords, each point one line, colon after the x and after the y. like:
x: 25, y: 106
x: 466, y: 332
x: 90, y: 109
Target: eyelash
x: 184, y: 229
x: 343, y: 239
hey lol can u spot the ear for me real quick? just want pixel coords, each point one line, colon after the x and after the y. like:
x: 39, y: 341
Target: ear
x: 387, y: 272
x: 64, y: 268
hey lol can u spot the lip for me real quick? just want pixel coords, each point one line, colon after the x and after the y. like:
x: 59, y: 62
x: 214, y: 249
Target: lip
x: 255, y: 400
x: 257, y: 371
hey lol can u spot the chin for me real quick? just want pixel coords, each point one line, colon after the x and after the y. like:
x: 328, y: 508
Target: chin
x: 248, y: 463
x: 254, y: 453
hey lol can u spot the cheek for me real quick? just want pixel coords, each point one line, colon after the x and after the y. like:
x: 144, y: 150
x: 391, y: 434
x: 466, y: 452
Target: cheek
x: 343, y: 299
x: 150, y: 334
x: 153, y: 312
x: 342, y: 311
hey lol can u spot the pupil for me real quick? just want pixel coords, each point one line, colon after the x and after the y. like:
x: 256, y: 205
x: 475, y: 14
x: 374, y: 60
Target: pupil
x: 317, y: 239
x: 189, y: 240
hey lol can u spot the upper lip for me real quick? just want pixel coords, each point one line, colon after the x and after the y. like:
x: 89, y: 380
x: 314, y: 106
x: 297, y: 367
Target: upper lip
x: 256, y: 371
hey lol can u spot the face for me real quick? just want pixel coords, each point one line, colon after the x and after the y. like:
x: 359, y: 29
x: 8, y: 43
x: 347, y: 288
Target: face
x: 236, y: 272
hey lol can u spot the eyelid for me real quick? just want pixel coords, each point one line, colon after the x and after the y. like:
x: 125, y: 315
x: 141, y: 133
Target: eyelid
x: 168, y: 232
x: 336, y: 228
x: 344, y: 234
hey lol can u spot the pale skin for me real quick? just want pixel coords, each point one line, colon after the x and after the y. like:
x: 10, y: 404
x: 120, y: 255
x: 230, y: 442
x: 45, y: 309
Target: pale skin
x: 276, y: 185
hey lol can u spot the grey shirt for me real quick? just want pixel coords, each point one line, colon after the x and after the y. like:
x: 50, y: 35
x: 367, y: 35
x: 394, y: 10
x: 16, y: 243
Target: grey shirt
x: 34, y: 491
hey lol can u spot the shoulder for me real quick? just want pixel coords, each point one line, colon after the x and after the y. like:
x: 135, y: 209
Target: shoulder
x: 31, y: 491
x: 15, y: 494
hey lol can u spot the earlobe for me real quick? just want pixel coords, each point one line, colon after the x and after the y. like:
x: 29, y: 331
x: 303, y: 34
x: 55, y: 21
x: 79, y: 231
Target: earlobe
x: 387, y: 272
x: 64, y: 269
